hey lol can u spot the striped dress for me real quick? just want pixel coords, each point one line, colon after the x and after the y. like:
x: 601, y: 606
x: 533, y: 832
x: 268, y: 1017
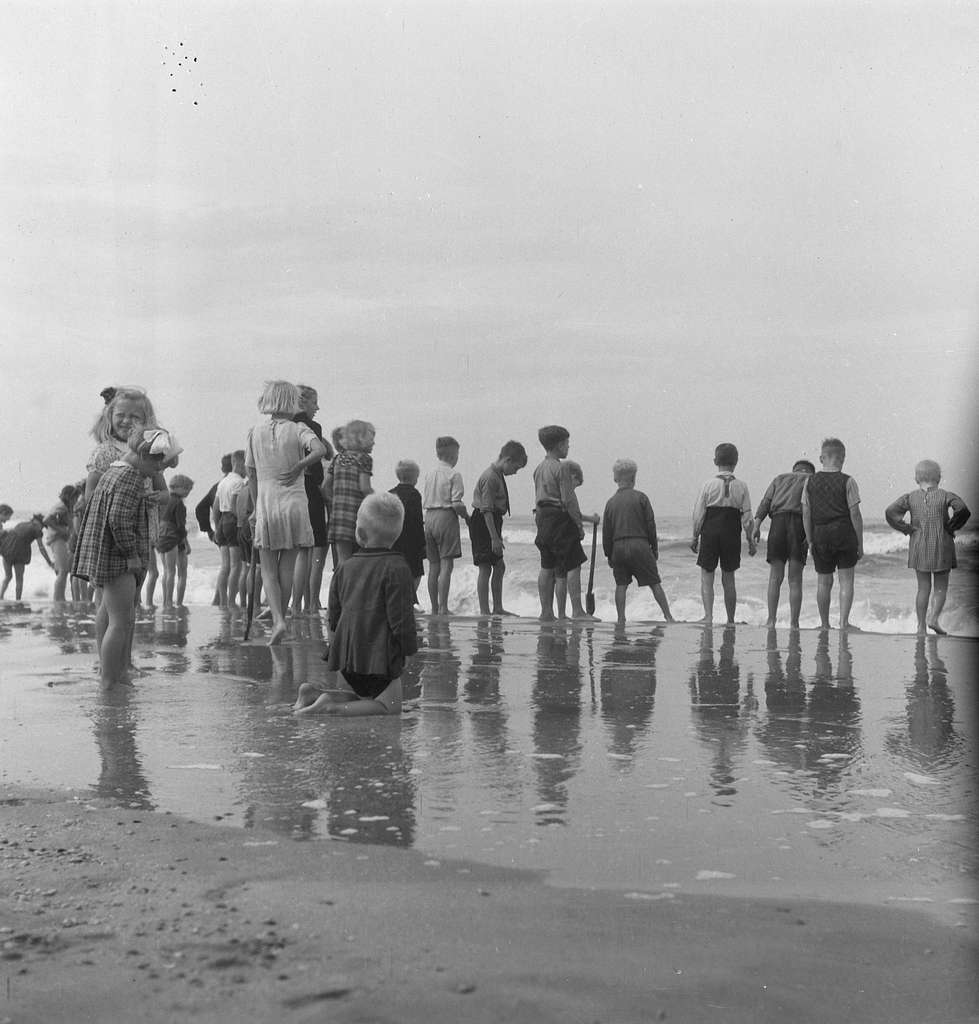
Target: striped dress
x: 345, y: 472
x: 932, y: 545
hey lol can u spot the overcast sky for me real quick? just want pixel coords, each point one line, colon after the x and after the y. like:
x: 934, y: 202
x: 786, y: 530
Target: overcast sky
x: 663, y: 225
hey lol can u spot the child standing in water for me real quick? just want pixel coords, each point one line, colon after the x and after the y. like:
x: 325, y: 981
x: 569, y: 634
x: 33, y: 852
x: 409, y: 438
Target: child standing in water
x: 114, y: 544
x: 172, y: 543
x: 371, y: 622
x: 722, y: 509
x: 411, y: 541
x: 347, y: 482
x: 935, y: 516
x: 15, y: 546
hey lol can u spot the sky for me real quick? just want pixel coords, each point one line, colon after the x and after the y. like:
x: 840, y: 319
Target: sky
x: 663, y: 225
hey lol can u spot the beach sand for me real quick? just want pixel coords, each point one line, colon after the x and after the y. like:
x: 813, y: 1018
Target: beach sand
x: 751, y: 829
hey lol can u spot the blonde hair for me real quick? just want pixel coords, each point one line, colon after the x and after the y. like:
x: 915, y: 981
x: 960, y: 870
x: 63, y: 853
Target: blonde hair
x: 357, y: 435
x: 406, y: 471
x: 573, y: 470
x: 624, y: 468
x: 102, y: 428
x: 380, y: 519
x: 279, y: 398
x: 927, y: 471
x: 179, y: 482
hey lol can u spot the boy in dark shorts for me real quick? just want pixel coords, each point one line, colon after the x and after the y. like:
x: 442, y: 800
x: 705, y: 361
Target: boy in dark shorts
x: 786, y: 537
x: 629, y: 540
x: 491, y: 503
x: 834, y: 528
x: 558, y: 518
x: 371, y: 624
x: 722, y: 509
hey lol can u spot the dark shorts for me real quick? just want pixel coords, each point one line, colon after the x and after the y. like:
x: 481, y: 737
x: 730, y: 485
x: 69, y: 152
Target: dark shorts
x: 633, y: 557
x: 479, y: 537
x: 720, y: 540
x: 557, y: 540
x: 317, y: 515
x: 834, y: 546
x: 366, y: 685
x: 787, y: 538
x: 226, y: 534
x: 167, y: 538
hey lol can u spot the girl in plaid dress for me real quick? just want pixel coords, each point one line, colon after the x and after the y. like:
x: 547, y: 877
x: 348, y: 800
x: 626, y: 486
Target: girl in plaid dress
x: 935, y: 516
x: 348, y: 482
x: 114, y: 544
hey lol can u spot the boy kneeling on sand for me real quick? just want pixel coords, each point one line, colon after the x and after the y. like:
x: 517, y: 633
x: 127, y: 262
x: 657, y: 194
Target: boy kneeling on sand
x: 370, y: 622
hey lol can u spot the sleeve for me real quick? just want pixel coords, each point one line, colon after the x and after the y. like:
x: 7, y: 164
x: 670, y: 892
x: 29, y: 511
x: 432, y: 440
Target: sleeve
x: 180, y: 519
x: 568, y: 497
x: 456, y: 489
x: 960, y: 514
x: 608, y: 532
x: 249, y: 451
x: 307, y: 437
x: 895, y: 513
x: 765, y: 505
x: 202, y: 510
x: 699, y: 511
x: 852, y: 493
x: 103, y: 457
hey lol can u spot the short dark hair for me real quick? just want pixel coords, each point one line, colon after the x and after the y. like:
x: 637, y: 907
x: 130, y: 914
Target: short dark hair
x: 551, y: 436
x: 803, y: 464
x: 833, y: 446
x: 6, y: 510
x: 726, y: 454
x: 515, y: 452
x: 444, y: 443
x: 226, y: 463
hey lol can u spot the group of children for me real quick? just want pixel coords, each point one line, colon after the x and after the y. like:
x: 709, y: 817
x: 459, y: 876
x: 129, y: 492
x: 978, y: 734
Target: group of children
x: 128, y: 510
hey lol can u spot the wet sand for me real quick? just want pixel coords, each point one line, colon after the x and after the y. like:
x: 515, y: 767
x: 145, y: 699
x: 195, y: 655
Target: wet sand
x: 751, y: 828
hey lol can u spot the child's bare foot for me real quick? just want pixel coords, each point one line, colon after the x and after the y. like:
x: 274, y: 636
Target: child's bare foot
x: 847, y: 627
x: 546, y: 617
x: 583, y: 616
x: 769, y: 623
x: 937, y: 629
x: 503, y: 611
x: 669, y: 618
x: 278, y: 635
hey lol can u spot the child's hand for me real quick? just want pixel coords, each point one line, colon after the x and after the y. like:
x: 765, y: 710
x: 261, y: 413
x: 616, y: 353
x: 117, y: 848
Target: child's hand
x: 497, y: 545
x: 752, y: 547
x: 291, y: 475
x: 694, y: 544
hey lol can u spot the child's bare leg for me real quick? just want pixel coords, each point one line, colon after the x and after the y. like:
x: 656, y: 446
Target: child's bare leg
x: 496, y: 587
x: 223, y: 573
x: 707, y: 594
x: 169, y: 559
x: 318, y: 563
x: 824, y: 592
x: 433, y: 584
x: 574, y: 592
x: 234, y: 576
x: 730, y: 594
x: 445, y: 580
x: 775, y: 576
x: 8, y: 575
x: 388, y: 702
x: 418, y: 582
x: 271, y: 562
x: 181, y: 577
x: 561, y: 595
x: 545, y: 590
x: 938, y: 603
x: 152, y: 575
x: 921, y: 600
x: 846, y: 596
x: 19, y: 580
x: 620, y: 595
x: 118, y: 605
x: 300, y: 580
x: 483, y: 588
x: 795, y: 593
x: 659, y: 594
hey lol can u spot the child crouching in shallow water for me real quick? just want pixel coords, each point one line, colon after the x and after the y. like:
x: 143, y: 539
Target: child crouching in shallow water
x: 371, y: 621
x: 115, y: 546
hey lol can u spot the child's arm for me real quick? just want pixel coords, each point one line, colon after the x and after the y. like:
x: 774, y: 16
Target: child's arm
x: 857, y: 519
x: 44, y: 551
x: 651, y: 528
x: 699, y: 514
x: 608, y: 534
x: 761, y: 514
x: 806, y: 514
x: 960, y: 514
x: 895, y: 513
x: 748, y: 522
x: 456, y: 493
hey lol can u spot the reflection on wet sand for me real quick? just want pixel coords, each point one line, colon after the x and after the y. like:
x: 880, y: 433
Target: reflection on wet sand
x: 592, y: 730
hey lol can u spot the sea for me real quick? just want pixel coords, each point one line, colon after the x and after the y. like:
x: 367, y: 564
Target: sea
x: 884, y: 592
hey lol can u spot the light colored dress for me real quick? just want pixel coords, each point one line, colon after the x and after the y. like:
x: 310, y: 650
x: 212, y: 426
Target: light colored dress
x: 281, y: 512
x: 931, y: 547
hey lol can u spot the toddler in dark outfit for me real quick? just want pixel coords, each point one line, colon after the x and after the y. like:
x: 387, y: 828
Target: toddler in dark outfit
x: 371, y: 621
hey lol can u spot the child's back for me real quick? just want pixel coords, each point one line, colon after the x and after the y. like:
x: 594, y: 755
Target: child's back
x: 628, y: 514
